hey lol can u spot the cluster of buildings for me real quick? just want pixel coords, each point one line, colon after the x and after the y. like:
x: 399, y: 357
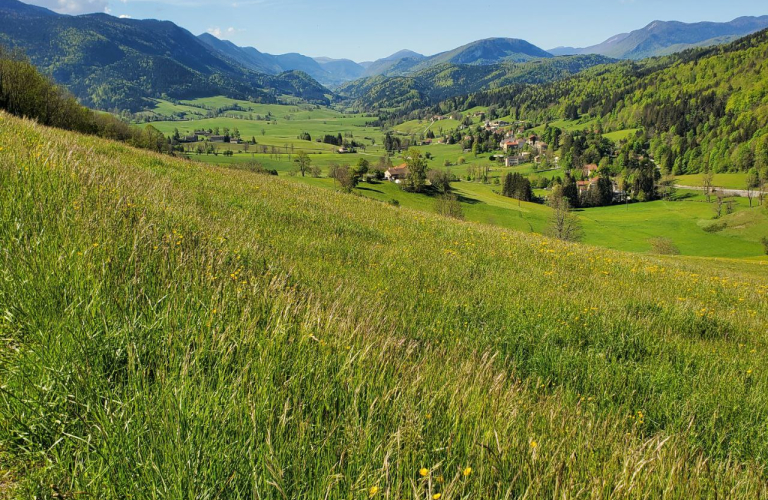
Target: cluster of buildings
x: 519, y: 150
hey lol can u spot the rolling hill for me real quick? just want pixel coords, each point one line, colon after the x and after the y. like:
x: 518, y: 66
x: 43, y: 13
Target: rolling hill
x: 176, y: 330
x: 444, y: 80
x: 702, y: 108
x: 661, y: 38
x: 112, y: 63
x: 479, y: 53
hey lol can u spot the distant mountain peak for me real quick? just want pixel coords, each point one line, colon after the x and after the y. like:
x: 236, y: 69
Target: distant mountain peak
x: 665, y: 37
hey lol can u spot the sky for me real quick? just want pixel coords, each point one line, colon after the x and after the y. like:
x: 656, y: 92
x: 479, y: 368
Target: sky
x: 365, y: 30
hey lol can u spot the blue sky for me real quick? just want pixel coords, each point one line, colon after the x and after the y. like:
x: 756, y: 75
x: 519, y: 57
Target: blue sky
x: 366, y: 30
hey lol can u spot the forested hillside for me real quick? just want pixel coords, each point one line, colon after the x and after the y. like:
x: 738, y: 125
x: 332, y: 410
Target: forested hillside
x: 704, y: 108
x: 445, y: 80
x: 112, y: 63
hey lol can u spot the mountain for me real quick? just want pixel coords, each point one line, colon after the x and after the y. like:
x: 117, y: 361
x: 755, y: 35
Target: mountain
x: 111, y: 63
x: 445, y: 80
x: 324, y: 70
x: 704, y: 108
x: 246, y: 56
x: 344, y: 69
x: 479, y: 53
x: 663, y: 38
x: 383, y: 65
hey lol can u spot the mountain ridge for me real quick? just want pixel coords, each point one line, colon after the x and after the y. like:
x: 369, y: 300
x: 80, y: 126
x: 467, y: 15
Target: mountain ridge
x: 660, y: 38
x: 115, y: 63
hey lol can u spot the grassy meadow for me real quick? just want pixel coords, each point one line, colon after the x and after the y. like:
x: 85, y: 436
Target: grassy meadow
x: 617, y: 227
x: 176, y: 330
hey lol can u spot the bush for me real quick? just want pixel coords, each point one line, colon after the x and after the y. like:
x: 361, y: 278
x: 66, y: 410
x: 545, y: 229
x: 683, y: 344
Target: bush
x: 663, y: 246
x: 449, y: 206
x: 765, y: 244
x: 716, y: 227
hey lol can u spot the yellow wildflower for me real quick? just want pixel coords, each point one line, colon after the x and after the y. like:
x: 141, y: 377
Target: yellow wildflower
x: 436, y: 496
x: 372, y: 492
x: 534, y: 444
x: 423, y: 472
x: 467, y: 471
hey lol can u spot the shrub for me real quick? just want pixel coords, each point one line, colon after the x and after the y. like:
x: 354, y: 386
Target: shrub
x: 663, y: 246
x: 716, y: 227
x: 765, y: 244
x: 449, y: 206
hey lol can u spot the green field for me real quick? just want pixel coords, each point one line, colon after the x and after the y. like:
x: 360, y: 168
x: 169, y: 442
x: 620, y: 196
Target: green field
x: 176, y: 330
x: 621, y: 228
x: 727, y: 181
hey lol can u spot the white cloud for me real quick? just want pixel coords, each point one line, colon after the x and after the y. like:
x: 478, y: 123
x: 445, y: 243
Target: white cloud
x: 72, y: 6
x: 223, y: 34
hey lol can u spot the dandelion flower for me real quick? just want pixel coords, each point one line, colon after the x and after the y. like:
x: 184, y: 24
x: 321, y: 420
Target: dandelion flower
x: 436, y: 496
x: 372, y: 492
x: 467, y: 471
x: 534, y: 444
x: 423, y: 472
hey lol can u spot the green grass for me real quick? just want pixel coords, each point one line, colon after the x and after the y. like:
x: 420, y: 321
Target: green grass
x: 177, y: 330
x: 727, y: 181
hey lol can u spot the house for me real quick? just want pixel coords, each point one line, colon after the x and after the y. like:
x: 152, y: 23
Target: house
x: 187, y: 139
x: 513, y: 161
x: 542, y: 147
x: 217, y: 138
x: 583, y: 186
x: 510, y: 144
x: 532, y: 140
x: 396, y: 174
x: 590, y: 170
x: 343, y: 150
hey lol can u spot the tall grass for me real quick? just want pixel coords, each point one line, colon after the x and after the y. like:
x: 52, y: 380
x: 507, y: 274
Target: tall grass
x: 177, y: 331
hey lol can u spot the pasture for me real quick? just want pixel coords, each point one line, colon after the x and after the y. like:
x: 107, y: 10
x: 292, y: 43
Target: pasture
x: 172, y: 329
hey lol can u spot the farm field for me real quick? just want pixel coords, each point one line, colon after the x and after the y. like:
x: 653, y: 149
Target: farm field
x: 618, y: 227
x: 727, y: 181
x: 244, y: 315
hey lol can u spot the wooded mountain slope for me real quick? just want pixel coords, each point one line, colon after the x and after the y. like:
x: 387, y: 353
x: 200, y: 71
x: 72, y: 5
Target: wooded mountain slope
x: 707, y: 108
x: 112, y: 63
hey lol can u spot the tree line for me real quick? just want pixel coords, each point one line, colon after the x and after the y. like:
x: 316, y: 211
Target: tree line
x: 25, y: 92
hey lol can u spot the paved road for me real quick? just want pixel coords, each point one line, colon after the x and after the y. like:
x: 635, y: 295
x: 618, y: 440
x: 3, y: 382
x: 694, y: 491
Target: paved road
x: 727, y: 192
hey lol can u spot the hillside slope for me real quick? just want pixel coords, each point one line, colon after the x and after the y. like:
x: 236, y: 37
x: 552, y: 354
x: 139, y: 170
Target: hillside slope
x: 175, y: 330
x: 661, y: 38
x: 478, y: 53
x: 118, y: 63
x: 445, y: 80
x: 704, y: 108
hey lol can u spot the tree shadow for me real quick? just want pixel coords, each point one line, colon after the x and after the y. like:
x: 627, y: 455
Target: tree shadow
x: 369, y: 189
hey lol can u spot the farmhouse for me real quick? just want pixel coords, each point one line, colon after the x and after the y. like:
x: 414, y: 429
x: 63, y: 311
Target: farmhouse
x: 396, y: 174
x: 590, y: 170
x: 583, y: 186
x: 513, y: 161
x: 343, y: 150
x: 510, y: 144
x: 217, y: 138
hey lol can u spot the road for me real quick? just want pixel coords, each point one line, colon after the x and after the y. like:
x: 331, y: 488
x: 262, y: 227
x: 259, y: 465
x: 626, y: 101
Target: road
x: 727, y: 192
